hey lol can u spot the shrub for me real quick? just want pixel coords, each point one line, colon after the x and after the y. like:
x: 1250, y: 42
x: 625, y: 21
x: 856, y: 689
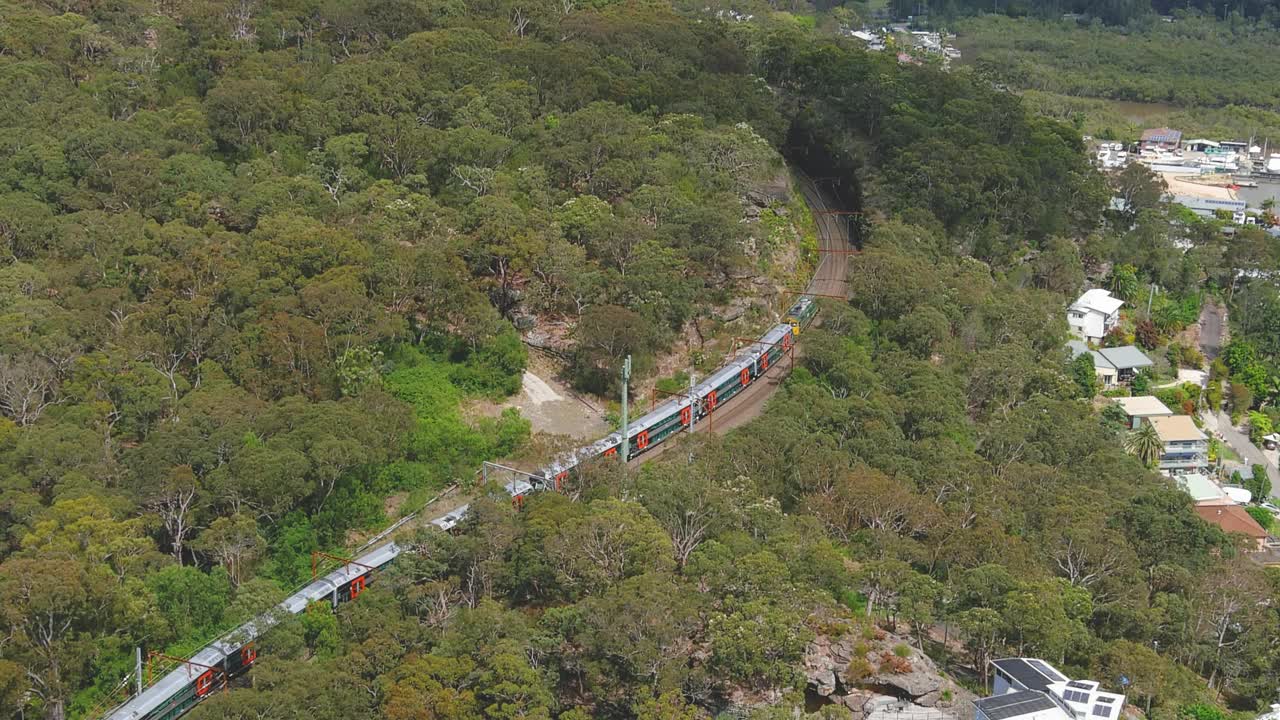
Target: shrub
x: 901, y: 650
x: 1147, y: 335
x: 859, y: 669
x: 893, y: 664
x: 1201, y: 711
x: 1262, y: 516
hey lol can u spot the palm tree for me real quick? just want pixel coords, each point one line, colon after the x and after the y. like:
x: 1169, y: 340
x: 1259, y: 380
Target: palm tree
x: 1145, y: 444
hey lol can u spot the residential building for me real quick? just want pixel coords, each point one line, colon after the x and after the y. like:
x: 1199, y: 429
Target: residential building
x: 1142, y: 407
x: 1203, y: 490
x: 1186, y: 448
x: 1021, y: 680
x: 1105, y: 371
x: 1209, y: 207
x: 1113, y: 366
x: 1022, y: 705
x: 1163, y: 138
x: 1093, y: 315
x: 1127, y: 360
x: 1234, y: 519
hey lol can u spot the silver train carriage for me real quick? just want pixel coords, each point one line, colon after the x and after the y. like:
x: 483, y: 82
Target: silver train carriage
x: 233, y: 654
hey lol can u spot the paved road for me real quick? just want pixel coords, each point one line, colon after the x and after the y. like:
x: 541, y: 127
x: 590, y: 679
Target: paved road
x: 1220, y: 423
x: 1212, y: 321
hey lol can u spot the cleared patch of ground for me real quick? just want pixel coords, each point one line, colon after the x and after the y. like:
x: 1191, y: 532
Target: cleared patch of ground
x: 550, y: 405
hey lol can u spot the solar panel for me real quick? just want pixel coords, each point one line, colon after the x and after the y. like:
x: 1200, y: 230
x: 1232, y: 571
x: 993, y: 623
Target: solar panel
x: 1107, y: 700
x: 1102, y: 711
x: 1005, y: 707
x: 1045, y: 670
x: 1023, y: 672
x: 1079, y: 684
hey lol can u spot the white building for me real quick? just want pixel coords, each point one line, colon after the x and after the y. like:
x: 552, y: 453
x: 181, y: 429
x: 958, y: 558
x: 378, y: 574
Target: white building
x: 1093, y: 315
x: 1032, y: 689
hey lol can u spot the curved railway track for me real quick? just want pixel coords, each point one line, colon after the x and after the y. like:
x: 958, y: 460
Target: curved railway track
x: 234, y: 653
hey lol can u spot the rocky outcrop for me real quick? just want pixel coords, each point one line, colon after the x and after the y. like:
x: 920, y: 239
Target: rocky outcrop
x: 879, y: 675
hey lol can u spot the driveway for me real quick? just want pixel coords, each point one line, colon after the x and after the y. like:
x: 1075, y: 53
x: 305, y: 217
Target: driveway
x: 1213, y: 318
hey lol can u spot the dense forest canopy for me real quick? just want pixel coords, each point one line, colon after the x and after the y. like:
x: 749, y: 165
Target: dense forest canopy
x: 1191, y: 63
x: 1133, y: 14
x: 255, y: 254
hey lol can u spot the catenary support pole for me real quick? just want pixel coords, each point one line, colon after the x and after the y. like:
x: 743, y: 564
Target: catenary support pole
x: 626, y: 380
x: 693, y: 405
x: 137, y: 668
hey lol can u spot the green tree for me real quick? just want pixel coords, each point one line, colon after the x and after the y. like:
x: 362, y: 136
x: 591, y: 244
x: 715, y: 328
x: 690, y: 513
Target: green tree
x: 1145, y: 444
x: 1259, y: 483
x: 1123, y: 282
x: 1084, y: 375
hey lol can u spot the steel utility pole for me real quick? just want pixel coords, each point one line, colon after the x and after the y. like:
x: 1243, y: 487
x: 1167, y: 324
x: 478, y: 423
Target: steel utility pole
x: 693, y: 406
x: 137, y: 668
x: 626, y: 379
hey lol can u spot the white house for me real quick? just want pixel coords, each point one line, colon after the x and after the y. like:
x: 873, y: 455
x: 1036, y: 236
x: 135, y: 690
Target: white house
x: 1032, y: 689
x: 1093, y: 315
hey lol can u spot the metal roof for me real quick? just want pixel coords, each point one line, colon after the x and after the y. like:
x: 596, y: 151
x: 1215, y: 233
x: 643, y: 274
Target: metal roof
x: 1099, y: 300
x: 1142, y: 406
x: 1012, y: 705
x: 1030, y: 677
x: 1126, y: 357
x: 1162, y: 135
x: 1201, y: 488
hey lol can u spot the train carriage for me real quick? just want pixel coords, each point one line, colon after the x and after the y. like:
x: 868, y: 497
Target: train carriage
x: 233, y: 654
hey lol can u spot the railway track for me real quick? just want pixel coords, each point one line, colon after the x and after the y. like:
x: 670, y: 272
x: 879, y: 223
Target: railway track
x: 742, y: 385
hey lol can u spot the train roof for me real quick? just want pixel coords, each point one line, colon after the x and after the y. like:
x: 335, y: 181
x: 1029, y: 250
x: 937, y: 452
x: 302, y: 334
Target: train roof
x: 166, y: 687
x: 161, y: 691
x: 449, y: 521
x: 516, y: 488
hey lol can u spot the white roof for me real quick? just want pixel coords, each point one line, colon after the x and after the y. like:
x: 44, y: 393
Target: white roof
x: 1142, y: 406
x: 1202, y: 489
x: 1098, y: 300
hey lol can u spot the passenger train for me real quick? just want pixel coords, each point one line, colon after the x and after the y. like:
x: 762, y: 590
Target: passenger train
x: 234, y: 654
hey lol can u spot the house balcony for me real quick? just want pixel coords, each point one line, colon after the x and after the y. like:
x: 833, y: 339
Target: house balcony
x: 1196, y: 460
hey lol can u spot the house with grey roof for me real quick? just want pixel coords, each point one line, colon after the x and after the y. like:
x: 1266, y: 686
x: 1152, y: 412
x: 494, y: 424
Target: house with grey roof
x: 1114, y: 366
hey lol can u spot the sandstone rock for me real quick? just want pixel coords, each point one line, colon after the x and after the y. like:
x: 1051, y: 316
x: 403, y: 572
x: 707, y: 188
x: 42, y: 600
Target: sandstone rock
x: 929, y: 699
x: 734, y: 310
x: 922, y: 679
